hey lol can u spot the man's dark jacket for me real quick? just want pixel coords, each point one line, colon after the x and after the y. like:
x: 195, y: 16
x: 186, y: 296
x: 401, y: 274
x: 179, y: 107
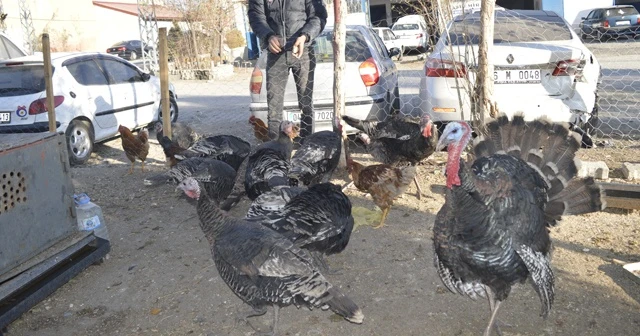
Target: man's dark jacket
x: 287, y: 18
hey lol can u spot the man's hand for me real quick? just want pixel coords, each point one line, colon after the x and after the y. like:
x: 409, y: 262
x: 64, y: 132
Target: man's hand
x: 274, y: 44
x: 298, y: 47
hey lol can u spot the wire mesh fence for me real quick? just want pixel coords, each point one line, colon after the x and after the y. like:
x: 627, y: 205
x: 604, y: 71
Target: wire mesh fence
x: 424, y: 63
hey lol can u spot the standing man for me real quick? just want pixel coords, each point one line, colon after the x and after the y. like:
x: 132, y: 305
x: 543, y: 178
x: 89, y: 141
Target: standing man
x: 287, y: 28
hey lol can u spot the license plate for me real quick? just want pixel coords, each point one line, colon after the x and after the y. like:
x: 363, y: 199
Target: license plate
x: 516, y: 76
x: 320, y: 116
x: 5, y: 117
x: 623, y: 23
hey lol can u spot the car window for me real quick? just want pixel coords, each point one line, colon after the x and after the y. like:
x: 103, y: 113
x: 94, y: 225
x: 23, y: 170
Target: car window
x: 356, y: 49
x: 135, y: 43
x: 87, y: 73
x: 510, y: 28
x: 620, y: 11
x: 382, y: 49
x: 21, y: 80
x: 591, y: 15
x: 119, y: 72
x: 387, y: 35
x: 406, y: 26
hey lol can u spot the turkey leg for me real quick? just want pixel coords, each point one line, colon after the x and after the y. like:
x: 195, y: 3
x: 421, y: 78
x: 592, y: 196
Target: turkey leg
x: 415, y: 179
x: 493, y: 322
x: 242, y: 316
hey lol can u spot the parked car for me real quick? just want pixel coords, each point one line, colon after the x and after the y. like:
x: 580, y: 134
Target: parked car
x: 9, y: 49
x: 371, y: 81
x: 603, y: 23
x: 412, y: 31
x: 390, y: 40
x: 93, y: 94
x: 130, y: 50
x: 542, y: 68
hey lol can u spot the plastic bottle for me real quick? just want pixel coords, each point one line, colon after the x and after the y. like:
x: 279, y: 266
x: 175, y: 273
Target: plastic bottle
x: 89, y: 216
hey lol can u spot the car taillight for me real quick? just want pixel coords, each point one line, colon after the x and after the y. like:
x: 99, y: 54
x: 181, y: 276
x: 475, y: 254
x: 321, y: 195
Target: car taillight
x: 40, y: 105
x: 255, y: 85
x: 605, y: 24
x: 369, y: 72
x: 638, y: 20
x: 444, y: 68
x: 566, y: 68
x: 419, y: 35
x: 122, y: 48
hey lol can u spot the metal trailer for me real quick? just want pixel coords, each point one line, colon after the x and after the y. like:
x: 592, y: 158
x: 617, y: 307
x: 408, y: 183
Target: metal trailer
x: 41, y: 247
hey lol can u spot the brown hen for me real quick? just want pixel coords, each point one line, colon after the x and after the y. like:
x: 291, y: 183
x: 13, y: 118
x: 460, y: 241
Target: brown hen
x: 260, y: 129
x: 135, y: 146
x: 382, y: 181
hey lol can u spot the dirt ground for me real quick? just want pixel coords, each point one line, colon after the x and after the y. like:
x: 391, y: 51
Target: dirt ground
x: 159, y: 278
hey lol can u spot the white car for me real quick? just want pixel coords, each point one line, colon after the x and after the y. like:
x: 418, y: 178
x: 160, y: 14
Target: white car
x: 541, y: 69
x: 93, y: 94
x: 412, y: 32
x: 390, y: 40
x: 371, y: 78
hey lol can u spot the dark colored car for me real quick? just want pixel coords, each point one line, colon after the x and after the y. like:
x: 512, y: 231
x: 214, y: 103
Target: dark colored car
x: 611, y: 22
x: 130, y: 50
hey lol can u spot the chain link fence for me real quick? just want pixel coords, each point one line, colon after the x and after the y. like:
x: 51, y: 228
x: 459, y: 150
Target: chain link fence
x: 425, y: 63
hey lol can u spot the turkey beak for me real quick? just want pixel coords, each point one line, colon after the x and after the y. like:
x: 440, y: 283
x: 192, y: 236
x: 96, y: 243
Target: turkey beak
x: 441, y: 144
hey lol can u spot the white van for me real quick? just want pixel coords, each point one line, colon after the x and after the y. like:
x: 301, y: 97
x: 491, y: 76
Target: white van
x: 412, y: 31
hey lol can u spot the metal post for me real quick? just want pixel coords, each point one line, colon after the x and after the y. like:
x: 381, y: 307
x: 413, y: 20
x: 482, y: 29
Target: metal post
x: 27, y: 27
x: 339, y: 36
x: 148, y: 25
x: 164, y: 82
x: 46, y: 53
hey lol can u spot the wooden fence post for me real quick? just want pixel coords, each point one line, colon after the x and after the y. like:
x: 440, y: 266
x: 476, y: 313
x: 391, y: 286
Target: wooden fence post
x: 48, y: 74
x: 164, y: 83
x: 339, y: 36
x: 485, y: 106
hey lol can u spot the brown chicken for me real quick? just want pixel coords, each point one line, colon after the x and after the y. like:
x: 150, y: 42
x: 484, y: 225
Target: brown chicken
x: 260, y: 129
x: 135, y: 146
x: 382, y: 181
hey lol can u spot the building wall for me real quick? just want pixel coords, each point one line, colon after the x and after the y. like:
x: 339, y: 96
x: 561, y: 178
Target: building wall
x: 70, y: 23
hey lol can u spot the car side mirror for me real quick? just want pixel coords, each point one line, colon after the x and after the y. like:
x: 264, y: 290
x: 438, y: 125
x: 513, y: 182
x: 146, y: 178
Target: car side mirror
x: 583, y: 18
x: 394, y: 52
x: 145, y: 76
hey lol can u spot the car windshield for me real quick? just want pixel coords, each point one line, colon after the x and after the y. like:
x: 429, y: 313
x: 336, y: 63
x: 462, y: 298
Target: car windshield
x: 406, y: 26
x: 21, y: 80
x: 510, y: 28
x: 356, y: 49
x: 621, y: 11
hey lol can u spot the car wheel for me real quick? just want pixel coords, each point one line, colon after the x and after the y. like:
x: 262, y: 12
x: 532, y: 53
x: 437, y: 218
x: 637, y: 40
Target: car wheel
x: 80, y: 139
x: 395, y: 101
x: 133, y: 56
x: 173, y: 110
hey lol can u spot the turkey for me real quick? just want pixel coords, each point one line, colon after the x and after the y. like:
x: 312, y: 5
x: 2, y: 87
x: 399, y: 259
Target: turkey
x: 272, y: 201
x: 179, y: 172
x: 215, y: 177
x: 181, y: 134
x: 493, y: 230
x: 318, y: 219
x: 268, y: 165
x: 398, y: 141
x: 318, y: 156
x: 227, y: 148
x: 263, y: 268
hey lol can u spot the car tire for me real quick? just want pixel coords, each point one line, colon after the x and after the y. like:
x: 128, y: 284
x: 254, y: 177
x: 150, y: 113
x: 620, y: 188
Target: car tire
x: 395, y: 101
x: 173, y: 110
x: 80, y: 139
x: 401, y: 53
x: 134, y: 56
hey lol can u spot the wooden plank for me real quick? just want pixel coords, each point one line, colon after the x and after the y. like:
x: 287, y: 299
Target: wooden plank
x: 635, y: 188
x: 164, y: 82
x: 622, y: 195
x: 623, y: 203
x: 46, y: 53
